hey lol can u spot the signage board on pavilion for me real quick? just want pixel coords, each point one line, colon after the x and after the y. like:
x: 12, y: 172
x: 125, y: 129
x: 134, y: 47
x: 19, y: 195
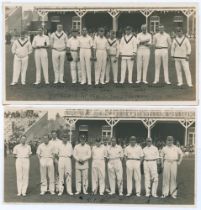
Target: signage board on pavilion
x: 103, y: 113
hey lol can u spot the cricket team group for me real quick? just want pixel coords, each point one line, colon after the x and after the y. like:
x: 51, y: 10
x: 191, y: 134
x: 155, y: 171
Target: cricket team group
x: 105, y: 53
x: 106, y: 160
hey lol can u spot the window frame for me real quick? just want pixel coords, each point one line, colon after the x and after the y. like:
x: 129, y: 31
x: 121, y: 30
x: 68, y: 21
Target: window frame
x: 153, y: 24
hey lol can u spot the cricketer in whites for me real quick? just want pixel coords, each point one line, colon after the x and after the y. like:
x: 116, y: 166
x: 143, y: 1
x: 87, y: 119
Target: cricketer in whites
x: 56, y: 156
x: 104, y: 50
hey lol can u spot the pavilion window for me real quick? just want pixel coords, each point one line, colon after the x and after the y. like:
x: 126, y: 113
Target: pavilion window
x: 191, y: 136
x: 106, y: 131
x: 55, y: 19
x: 76, y: 23
x: 83, y: 128
x: 178, y: 21
x: 154, y: 24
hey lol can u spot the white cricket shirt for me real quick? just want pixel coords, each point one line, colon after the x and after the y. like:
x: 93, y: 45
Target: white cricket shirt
x: 22, y: 151
x: 73, y: 43
x: 151, y: 153
x: 181, y: 47
x: 133, y: 152
x: 128, y: 45
x: 99, y: 153
x: 59, y: 40
x: 45, y: 151
x: 115, y: 152
x: 21, y: 48
x: 162, y: 40
x: 141, y: 37
x: 113, y: 47
x: 82, y: 152
x: 171, y: 152
x: 85, y: 42
x: 100, y: 43
x: 55, y: 144
x: 39, y: 41
x: 65, y: 150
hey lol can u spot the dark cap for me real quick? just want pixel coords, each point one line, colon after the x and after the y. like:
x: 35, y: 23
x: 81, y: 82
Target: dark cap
x: 179, y: 29
x: 112, y: 32
x: 23, y: 33
x: 98, y: 140
x: 83, y: 137
x: 74, y: 30
x: 170, y: 138
x: 149, y: 139
x: 128, y: 28
x: 113, y: 138
x: 101, y: 29
x: 65, y: 135
x: 132, y: 138
x: 161, y: 26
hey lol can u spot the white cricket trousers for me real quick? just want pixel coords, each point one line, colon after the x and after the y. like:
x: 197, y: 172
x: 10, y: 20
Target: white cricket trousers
x: 107, y: 183
x: 114, y: 65
x: 65, y: 174
x: 161, y: 55
x: 22, y: 171
x: 56, y: 173
x: 169, y: 185
x: 151, y: 177
x: 179, y: 64
x: 143, y: 55
x: 41, y: 61
x: 75, y: 68
x: 58, y: 60
x: 47, y: 168
x: 100, y: 66
x: 133, y: 170
x: 85, y: 64
x: 115, y: 171
x: 81, y: 179
x: 20, y: 66
x: 126, y: 63
x: 98, y: 176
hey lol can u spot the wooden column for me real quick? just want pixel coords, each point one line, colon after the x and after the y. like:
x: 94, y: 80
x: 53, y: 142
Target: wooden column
x: 149, y: 123
x: 114, y: 13
x: 71, y: 122
x: 42, y: 14
x: 80, y: 13
x: 186, y: 124
x: 146, y: 13
x: 112, y: 122
x: 188, y: 13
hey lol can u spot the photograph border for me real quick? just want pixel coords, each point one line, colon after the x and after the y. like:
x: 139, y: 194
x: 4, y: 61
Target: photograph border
x: 111, y: 5
x: 141, y: 108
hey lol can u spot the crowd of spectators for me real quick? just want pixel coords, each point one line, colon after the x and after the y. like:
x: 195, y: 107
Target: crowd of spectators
x: 17, y: 123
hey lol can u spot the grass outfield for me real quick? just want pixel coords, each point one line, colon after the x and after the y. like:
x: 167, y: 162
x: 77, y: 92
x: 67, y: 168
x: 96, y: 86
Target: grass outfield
x: 186, y: 174
x: 109, y: 92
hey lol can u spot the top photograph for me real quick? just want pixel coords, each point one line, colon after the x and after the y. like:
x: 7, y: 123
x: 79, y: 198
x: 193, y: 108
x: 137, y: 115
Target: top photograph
x: 131, y: 54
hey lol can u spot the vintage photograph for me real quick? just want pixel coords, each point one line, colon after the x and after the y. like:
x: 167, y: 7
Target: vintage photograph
x: 101, y: 53
x: 111, y: 156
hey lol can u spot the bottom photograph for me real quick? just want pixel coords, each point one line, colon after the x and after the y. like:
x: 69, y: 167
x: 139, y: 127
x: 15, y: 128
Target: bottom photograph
x: 106, y: 156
